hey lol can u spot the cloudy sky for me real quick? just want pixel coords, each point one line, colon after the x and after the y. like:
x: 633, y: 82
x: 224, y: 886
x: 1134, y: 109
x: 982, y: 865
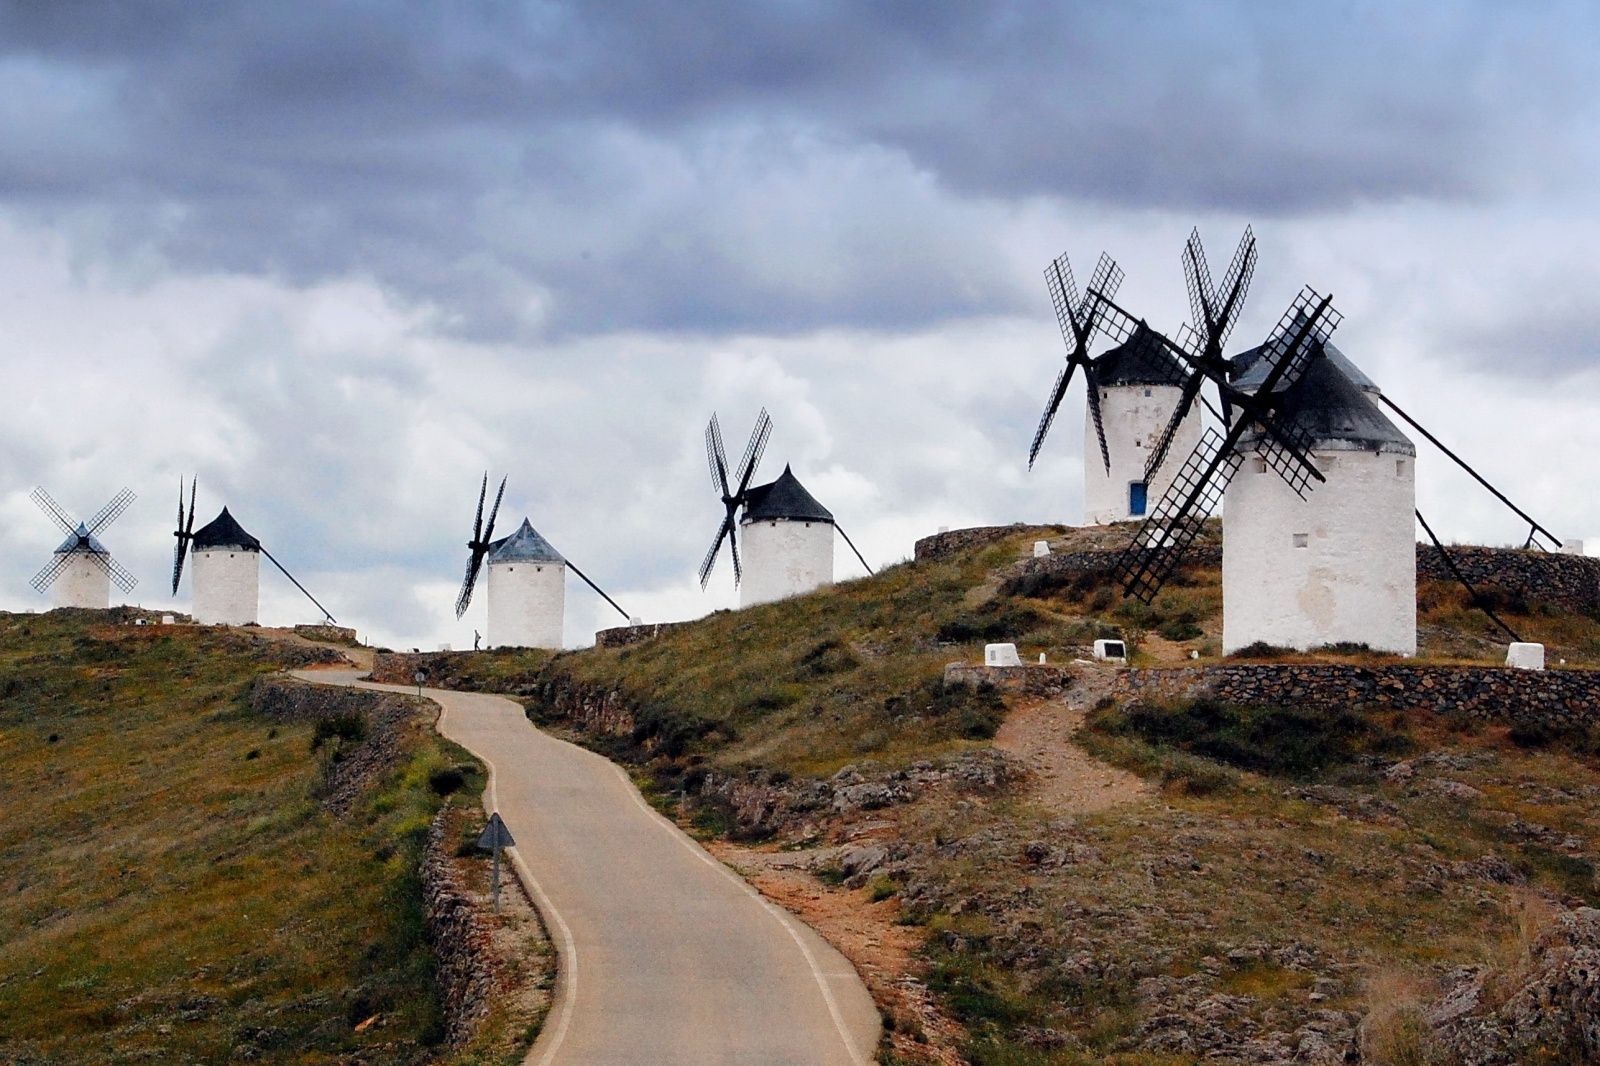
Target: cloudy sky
x: 339, y: 259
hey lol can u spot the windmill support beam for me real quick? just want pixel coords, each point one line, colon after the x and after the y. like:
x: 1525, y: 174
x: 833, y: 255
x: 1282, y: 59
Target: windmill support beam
x: 1456, y: 570
x: 1463, y: 464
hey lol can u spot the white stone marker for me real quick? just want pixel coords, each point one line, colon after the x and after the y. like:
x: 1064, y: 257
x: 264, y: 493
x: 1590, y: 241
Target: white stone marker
x: 1001, y: 655
x: 1525, y: 656
x: 1041, y: 548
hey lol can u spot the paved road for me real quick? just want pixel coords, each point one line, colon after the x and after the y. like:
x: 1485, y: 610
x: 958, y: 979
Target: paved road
x: 666, y: 956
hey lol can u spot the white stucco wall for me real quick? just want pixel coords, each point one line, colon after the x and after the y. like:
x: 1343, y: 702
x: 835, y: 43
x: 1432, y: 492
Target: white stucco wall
x: 527, y: 605
x: 1134, y: 423
x: 1356, y: 577
x: 227, y: 586
x: 784, y: 558
x: 84, y: 583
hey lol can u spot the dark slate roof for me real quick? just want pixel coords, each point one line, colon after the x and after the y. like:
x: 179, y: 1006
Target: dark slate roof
x: 1338, y: 414
x: 523, y: 546
x: 784, y: 498
x: 81, y: 541
x: 1250, y: 370
x: 1140, y: 360
x: 224, y: 531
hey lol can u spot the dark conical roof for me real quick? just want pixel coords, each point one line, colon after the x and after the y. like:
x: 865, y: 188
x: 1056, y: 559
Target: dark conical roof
x: 784, y: 498
x: 1140, y: 360
x: 224, y: 531
x: 1250, y: 369
x: 1338, y: 414
x: 523, y: 546
x: 81, y: 541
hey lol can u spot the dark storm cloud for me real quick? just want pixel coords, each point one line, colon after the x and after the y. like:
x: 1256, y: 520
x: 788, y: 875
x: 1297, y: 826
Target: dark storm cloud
x: 708, y: 167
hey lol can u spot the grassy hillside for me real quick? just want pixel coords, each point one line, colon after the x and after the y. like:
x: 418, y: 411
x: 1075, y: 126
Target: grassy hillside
x: 171, y: 890
x: 1285, y: 876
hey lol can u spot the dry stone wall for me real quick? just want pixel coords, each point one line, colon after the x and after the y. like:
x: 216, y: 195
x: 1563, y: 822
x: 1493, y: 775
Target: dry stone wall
x: 1571, y: 581
x: 623, y: 636
x: 1551, y: 697
x: 960, y: 541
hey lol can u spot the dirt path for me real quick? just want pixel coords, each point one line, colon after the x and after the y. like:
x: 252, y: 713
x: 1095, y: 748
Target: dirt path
x: 1064, y: 777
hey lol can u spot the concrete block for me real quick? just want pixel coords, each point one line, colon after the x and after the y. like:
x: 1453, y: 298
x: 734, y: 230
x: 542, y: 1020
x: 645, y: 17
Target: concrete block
x: 1111, y: 650
x: 1041, y: 548
x: 1001, y: 655
x: 1525, y: 656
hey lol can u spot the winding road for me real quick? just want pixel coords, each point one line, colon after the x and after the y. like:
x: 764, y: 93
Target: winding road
x: 666, y: 957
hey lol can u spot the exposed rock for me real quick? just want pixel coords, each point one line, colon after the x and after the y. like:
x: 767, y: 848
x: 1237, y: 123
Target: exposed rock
x: 1547, y: 1009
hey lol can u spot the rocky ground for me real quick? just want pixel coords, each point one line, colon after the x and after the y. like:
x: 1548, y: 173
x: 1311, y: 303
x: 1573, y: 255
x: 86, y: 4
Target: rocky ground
x: 1035, y: 900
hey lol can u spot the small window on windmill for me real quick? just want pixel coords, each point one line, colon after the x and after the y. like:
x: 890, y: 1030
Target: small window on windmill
x: 1147, y: 392
x: 1399, y: 468
x: 1261, y: 465
x: 1302, y: 540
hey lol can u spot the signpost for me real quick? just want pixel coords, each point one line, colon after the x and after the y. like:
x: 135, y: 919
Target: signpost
x: 419, y: 677
x: 496, y: 836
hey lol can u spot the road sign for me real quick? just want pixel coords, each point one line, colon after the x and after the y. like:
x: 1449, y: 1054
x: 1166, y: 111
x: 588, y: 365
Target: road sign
x: 494, y: 837
x: 495, y: 834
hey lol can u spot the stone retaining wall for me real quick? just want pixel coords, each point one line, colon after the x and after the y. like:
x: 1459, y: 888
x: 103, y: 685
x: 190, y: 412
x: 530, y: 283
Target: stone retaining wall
x: 623, y: 636
x: 468, y: 976
x: 1569, y: 581
x: 1551, y: 697
x: 335, y: 634
x: 959, y: 541
x: 1033, y: 679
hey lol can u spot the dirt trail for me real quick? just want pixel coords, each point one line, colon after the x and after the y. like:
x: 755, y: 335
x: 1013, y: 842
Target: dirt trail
x: 1063, y: 777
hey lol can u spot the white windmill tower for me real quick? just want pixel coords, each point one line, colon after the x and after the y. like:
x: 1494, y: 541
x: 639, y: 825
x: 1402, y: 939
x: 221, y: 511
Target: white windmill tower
x: 788, y: 535
x: 527, y: 582
x: 81, y: 570
x: 1140, y: 388
x: 227, y: 567
x: 1338, y: 565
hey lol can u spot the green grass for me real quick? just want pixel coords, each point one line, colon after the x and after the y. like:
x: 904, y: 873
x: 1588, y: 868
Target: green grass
x: 169, y: 889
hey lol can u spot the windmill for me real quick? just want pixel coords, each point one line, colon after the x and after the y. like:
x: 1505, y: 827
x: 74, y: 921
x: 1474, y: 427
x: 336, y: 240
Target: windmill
x: 227, y: 567
x: 733, y: 493
x: 1158, y: 547
x: 1078, y: 317
x: 787, y: 533
x: 81, y: 569
x: 527, y: 581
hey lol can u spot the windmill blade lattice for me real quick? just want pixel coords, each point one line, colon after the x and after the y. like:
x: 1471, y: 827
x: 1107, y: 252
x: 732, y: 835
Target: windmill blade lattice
x: 115, y: 570
x: 1078, y: 317
x: 109, y: 513
x: 184, y: 532
x: 1178, y: 517
x: 52, y: 570
x: 54, y: 510
x: 732, y: 498
x: 1200, y: 344
x: 478, y: 546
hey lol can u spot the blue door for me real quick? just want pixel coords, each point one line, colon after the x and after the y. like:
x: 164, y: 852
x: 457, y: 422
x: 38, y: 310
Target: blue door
x: 1136, y: 501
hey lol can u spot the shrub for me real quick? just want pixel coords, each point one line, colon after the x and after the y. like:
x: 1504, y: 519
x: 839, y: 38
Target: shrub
x: 345, y: 727
x: 1281, y: 741
x: 1181, y: 627
x: 1259, y: 650
x: 825, y: 659
x: 444, y: 782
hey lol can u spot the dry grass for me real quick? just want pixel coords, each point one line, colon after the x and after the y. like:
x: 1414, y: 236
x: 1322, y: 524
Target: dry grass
x: 169, y: 890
